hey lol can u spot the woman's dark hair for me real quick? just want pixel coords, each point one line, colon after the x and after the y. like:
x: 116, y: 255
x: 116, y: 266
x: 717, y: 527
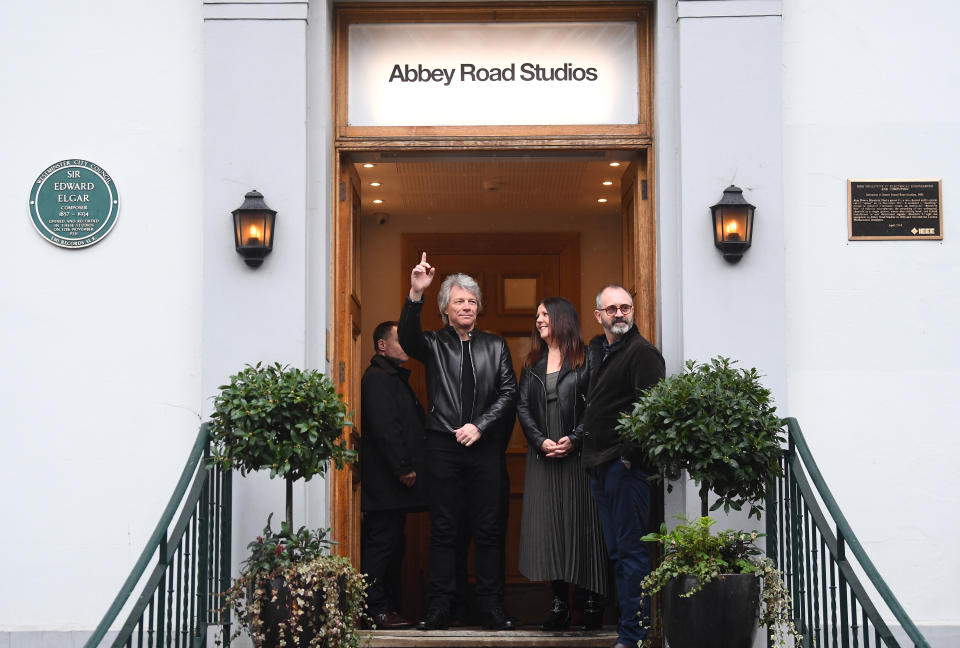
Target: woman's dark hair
x: 564, y: 328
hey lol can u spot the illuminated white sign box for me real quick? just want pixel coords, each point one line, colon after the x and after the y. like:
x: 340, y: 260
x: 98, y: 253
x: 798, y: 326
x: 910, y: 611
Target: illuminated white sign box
x: 497, y: 74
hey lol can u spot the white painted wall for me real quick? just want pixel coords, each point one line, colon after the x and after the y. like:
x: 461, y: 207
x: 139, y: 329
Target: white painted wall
x: 870, y: 89
x: 100, y: 352
x: 255, y: 103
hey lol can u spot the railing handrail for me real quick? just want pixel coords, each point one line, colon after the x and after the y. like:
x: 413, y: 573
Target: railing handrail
x: 153, y: 543
x: 849, y: 538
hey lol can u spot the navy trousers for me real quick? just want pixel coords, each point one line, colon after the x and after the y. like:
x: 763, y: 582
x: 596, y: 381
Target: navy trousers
x: 623, y: 503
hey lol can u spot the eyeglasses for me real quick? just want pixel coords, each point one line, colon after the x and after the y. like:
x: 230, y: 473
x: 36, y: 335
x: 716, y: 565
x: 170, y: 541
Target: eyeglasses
x: 623, y: 308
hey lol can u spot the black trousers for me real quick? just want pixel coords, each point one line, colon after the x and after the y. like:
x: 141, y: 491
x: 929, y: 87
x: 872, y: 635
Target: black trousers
x: 464, y: 487
x: 382, y: 545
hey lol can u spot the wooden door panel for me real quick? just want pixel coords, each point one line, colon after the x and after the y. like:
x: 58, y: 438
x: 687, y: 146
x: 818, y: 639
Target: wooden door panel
x: 347, y: 363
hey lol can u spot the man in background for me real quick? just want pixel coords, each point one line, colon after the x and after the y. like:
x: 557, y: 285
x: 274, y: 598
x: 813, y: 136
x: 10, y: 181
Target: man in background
x: 391, y: 458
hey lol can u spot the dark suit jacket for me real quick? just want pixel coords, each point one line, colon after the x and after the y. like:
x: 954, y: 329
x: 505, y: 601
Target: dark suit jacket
x: 392, y: 438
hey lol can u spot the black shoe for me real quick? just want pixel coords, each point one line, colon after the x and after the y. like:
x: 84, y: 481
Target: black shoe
x: 435, y: 620
x: 559, y: 617
x: 592, y: 614
x: 497, y: 619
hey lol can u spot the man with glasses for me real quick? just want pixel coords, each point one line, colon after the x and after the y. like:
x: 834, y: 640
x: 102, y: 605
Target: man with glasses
x: 622, y: 366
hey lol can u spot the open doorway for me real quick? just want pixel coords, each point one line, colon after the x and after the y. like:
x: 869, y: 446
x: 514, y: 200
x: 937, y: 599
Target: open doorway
x: 527, y: 225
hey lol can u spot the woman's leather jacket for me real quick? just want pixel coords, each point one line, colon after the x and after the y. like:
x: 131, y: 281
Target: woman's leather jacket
x: 532, y: 409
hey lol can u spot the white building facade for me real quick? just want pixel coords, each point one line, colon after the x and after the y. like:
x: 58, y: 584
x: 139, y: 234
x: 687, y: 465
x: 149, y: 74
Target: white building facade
x: 112, y: 353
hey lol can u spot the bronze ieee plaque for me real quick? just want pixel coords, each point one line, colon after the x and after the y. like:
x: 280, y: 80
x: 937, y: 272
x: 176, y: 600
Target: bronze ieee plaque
x: 894, y: 210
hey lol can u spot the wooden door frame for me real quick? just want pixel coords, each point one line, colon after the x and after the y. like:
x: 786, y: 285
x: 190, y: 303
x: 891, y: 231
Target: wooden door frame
x: 636, y: 138
x: 643, y: 267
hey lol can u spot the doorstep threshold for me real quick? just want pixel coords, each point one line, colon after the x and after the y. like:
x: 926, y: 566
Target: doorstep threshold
x: 467, y: 637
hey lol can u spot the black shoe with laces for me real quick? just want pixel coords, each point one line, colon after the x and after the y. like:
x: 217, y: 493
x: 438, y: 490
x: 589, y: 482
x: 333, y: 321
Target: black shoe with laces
x: 435, y: 619
x: 559, y: 617
x: 497, y: 619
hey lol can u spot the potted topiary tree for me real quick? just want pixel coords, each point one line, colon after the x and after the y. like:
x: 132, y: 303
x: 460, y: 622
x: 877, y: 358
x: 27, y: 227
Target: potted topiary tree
x: 717, y: 423
x: 291, y: 591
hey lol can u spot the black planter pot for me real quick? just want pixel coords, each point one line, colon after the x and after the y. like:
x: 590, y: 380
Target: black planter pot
x: 275, y: 613
x: 721, y: 615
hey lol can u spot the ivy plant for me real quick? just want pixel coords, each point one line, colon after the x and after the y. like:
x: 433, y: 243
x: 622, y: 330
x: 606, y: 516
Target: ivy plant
x: 717, y: 422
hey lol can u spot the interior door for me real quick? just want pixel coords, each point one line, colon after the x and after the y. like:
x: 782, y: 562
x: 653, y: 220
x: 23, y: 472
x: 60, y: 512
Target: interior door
x: 515, y: 272
x: 347, y: 364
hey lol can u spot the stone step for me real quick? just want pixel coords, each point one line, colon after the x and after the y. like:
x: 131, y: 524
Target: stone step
x: 469, y: 637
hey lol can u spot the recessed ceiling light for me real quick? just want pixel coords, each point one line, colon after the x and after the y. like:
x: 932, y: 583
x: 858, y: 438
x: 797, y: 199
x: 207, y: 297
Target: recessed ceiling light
x: 601, y: 200
x: 614, y: 164
x: 377, y: 202
x: 607, y: 183
x: 374, y: 184
x: 368, y: 165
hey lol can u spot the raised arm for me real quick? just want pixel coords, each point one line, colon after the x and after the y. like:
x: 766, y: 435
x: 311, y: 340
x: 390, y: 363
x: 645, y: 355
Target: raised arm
x: 420, y: 278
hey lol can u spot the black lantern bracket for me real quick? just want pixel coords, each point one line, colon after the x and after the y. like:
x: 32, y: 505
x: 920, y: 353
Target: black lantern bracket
x: 253, y: 224
x: 732, y: 224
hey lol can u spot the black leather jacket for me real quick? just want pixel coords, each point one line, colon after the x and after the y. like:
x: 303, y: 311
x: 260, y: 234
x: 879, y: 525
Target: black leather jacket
x: 532, y: 408
x: 495, y: 390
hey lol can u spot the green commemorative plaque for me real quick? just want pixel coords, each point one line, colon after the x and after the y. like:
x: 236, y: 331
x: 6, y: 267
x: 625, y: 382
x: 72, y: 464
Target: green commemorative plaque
x: 74, y: 203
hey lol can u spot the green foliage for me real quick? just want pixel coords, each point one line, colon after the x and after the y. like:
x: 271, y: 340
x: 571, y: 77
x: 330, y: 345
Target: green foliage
x: 322, y: 601
x: 716, y: 422
x: 282, y: 419
x: 692, y: 550
x: 291, y: 422
x: 285, y: 547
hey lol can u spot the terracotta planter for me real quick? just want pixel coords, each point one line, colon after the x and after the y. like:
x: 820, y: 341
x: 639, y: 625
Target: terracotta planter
x: 722, y: 615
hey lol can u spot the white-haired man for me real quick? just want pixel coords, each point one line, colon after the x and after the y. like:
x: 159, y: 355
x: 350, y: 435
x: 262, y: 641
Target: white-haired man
x: 472, y: 393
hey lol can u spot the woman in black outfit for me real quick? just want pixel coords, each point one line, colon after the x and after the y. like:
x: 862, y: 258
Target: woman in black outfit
x: 560, y: 536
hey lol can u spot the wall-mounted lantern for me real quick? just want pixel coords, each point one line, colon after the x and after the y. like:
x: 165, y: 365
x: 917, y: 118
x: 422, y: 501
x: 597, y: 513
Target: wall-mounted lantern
x: 253, y: 228
x: 732, y: 224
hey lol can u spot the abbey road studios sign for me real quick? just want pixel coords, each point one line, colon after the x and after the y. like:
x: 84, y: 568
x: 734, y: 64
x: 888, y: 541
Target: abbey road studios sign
x: 74, y: 203
x: 894, y: 209
x: 470, y: 74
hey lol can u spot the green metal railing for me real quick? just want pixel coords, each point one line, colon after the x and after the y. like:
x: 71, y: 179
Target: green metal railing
x: 180, y: 598
x: 831, y: 608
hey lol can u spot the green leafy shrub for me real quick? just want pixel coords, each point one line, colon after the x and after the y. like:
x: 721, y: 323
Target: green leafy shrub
x: 279, y: 418
x: 716, y: 422
x: 692, y: 550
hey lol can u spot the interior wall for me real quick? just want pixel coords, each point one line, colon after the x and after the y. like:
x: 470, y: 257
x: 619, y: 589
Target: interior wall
x: 385, y: 287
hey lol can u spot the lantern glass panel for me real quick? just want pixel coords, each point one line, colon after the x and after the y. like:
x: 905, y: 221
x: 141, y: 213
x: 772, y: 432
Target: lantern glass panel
x: 734, y: 222
x: 255, y: 229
